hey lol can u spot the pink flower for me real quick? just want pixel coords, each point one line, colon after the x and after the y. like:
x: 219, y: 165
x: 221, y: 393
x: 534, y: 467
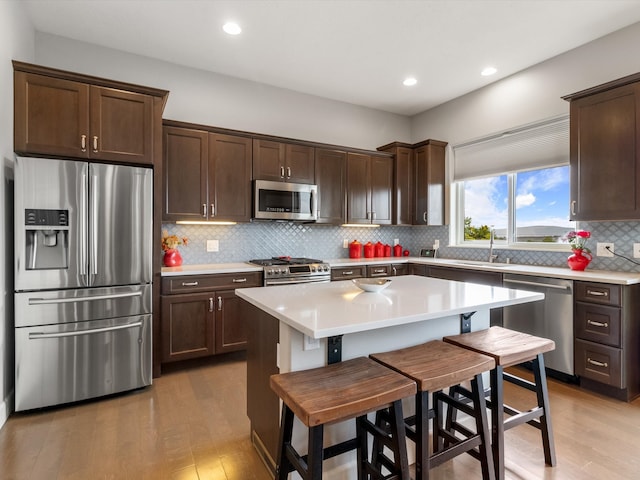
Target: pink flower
x: 583, y: 234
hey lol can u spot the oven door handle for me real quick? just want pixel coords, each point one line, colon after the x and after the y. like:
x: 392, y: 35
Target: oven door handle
x: 38, y: 335
x: 48, y: 301
x: 274, y: 283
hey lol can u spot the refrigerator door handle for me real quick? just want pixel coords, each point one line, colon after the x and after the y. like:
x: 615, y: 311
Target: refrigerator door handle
x: 94, y: 225
x: 83, y: 229
x: 50, y: 301
x: 37, y: 335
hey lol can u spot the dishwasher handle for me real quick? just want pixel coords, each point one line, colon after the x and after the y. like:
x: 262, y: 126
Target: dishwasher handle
x: 536, y: 284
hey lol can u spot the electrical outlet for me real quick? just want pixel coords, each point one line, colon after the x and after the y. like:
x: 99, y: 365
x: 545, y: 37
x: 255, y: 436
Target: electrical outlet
x: 345, y: 243
x: 213, y: 245
x: 396, y: 241
x: 436, y: 244
x: 311, y: 343
x: 636, y: 250
x: 601, y: 250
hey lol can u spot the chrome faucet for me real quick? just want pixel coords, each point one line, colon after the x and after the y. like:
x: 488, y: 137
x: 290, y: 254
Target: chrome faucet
x: 492, y: 235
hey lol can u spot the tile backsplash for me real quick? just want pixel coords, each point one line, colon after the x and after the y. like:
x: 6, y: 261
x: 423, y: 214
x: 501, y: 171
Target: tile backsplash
x: 242, y: 242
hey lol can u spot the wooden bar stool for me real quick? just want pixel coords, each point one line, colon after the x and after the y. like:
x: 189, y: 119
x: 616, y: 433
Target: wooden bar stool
x: 508, y: 348
x: 337, y: 392
x: 435, y: 366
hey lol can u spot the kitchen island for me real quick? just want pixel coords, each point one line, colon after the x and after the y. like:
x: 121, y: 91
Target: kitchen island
x: 296, y: 327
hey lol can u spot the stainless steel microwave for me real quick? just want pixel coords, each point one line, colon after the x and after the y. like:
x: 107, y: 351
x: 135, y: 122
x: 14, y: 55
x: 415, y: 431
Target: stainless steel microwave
x: 285, y: 201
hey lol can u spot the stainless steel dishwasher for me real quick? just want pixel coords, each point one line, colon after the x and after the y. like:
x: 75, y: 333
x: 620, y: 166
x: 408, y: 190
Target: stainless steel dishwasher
x: 551, y: 318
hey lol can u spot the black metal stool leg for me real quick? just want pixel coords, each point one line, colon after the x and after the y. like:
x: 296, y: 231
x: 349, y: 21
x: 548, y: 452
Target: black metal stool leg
x: 315, y: 452
x: 283, y: 466
x: 482, y: 427
x: 497, y: 420
x: 542, y: 393
x: 422, y: 436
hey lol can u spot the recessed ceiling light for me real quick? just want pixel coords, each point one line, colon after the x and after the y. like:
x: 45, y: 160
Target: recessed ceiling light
x: 408, y: 82
x: 488, y: 71
x: 232, y: 28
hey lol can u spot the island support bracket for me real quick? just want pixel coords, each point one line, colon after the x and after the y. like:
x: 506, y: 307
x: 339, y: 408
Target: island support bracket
x: 334, y: 349
x: 465, y: 322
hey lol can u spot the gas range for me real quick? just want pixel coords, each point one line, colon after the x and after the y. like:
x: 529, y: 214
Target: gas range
x: 288, y: 270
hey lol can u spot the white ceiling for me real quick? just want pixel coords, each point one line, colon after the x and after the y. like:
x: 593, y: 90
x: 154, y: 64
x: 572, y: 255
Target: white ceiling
x: 355, y: 51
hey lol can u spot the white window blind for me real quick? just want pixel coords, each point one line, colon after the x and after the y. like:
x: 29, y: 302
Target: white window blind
x: 542, y: 145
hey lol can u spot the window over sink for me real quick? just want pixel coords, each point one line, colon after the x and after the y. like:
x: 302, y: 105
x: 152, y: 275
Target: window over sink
x: 515, y: 184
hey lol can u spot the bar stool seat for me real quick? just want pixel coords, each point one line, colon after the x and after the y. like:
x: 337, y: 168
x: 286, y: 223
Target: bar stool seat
x: 342, y: 391
x: 508, y: 348
x: 435, y: 366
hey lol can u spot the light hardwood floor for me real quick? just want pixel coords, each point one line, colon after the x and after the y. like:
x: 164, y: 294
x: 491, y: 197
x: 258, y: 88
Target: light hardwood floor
x: 192, y: 425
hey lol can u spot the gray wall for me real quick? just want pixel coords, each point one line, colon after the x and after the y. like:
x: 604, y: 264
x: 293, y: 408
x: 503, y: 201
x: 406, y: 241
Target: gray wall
x: 212, y: 99
x: 16, y: 42
x: 530, y: 96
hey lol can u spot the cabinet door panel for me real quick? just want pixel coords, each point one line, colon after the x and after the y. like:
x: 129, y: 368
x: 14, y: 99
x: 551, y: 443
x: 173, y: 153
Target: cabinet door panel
x: 230, y: 178
x: 121, y: 126
x: 51, y: 116
x: 268, y: 160
x: 381, y: 178
x: 404, y: 186
x: 604, y: 144
x: 231, y: 330
x: 331, y: 178
x: 429, y: 184
x: 300, y: 164
x: 185, y: 174
x: 187, y: 326
x: 358, y: 201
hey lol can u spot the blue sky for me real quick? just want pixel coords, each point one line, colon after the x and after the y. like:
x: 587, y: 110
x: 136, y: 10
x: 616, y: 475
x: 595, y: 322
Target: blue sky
x: 542, y: 198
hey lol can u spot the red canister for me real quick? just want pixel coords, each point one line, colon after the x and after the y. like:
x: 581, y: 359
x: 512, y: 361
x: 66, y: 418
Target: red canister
x: 387, y: 250
x: 368, y: 250
x: 379, y: 251
x: 397, y: 250
x: 355, y: 249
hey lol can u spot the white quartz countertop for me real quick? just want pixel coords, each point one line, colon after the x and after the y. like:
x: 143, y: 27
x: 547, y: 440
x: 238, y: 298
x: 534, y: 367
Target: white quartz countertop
x: 589, y: 275
x: 322, y: 310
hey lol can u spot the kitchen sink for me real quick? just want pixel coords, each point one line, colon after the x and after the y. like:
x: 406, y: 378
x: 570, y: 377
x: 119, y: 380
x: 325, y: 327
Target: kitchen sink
x: 475, y: 263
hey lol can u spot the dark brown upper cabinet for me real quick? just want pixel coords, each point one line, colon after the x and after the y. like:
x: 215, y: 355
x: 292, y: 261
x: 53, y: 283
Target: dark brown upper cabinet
x: 283, y: 162
x: 63, y: 117
x: 369, y: 185
x: 331, y: 178
x: 207, y: 176
x: 419, y: 182
x: 605, y: 151
x: 430, y: 183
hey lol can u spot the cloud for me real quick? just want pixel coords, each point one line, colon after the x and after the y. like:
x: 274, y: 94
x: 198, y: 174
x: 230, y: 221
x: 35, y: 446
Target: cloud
x: 485, y: 201
x: 525, y: 200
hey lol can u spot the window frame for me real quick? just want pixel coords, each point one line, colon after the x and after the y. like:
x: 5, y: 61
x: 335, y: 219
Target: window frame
x: 458, y: 215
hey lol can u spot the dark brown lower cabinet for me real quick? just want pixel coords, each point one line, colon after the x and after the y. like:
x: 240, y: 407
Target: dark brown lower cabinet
x: 198, y: 321
x: 347, y: 273
x: 187, y: 326
x: 607, y: 338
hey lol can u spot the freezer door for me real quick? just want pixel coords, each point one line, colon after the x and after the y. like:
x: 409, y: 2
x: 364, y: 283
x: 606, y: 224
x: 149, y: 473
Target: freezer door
x: 75, y: 361
x: 120, y: 225
x: 50, y: 218
x: 80, y: 305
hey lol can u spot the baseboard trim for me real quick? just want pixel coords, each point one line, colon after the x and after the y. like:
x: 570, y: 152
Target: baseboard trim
x: 5, y: 409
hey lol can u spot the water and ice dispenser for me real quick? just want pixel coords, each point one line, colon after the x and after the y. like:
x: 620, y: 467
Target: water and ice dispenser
x: 47, y: 239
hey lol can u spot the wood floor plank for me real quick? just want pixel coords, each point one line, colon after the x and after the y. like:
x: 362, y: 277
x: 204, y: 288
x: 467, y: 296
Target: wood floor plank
x: 192, y: 425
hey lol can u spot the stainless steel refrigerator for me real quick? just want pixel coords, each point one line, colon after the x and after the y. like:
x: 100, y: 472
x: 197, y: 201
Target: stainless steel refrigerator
x: 83, y: 271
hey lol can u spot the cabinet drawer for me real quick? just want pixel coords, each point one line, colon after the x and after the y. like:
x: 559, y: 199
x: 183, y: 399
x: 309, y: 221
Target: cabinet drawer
x: 379, y: 270
x: 599, y: 362
x: 348, y: 273
x: 598, y: 323
x: 598, y: 293
x: 204, y: 283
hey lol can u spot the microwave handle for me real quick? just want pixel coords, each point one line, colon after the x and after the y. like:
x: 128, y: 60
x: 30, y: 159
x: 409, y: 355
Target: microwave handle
x: 314, y: 204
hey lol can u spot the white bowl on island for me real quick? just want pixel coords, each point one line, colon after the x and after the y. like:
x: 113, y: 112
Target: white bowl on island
x: 371, y: 284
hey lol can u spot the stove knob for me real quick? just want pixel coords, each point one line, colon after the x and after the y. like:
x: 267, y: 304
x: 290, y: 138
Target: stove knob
x: 313, y: 268
x: 268, y: 272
